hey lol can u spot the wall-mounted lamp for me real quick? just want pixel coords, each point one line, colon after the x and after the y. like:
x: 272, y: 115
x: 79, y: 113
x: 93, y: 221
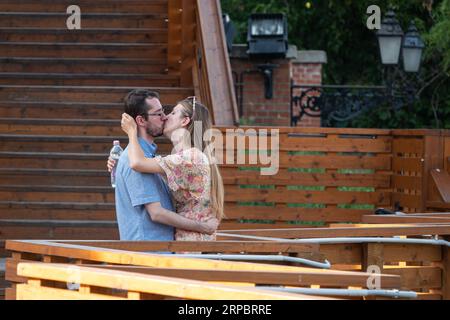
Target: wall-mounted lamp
x: 267, y: 35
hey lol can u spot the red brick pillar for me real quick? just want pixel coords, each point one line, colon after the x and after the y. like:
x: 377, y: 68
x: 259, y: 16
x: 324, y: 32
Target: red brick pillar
x: 256, y: 109
x: 307, y: 70
x: 303, y: 67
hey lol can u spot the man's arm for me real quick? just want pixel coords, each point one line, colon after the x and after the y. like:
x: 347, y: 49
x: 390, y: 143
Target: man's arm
x: 164, y: 216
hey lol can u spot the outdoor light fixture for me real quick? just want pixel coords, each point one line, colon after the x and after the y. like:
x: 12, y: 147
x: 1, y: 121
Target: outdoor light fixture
x: 412, y: 49
x: 341, y: 103
x: 390, y: 38
x: 267, y: 35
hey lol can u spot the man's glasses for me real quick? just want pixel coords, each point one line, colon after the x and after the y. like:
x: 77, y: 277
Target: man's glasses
x: 158, y: 114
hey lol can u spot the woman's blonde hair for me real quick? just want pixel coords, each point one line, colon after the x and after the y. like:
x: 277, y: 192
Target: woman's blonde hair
x: 198, y: 112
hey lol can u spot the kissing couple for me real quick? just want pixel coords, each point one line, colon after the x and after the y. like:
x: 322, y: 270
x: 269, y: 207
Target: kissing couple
x: 179, y: 196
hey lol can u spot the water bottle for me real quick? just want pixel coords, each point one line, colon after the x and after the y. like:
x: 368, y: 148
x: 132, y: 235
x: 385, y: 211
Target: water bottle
x: 115, y: 153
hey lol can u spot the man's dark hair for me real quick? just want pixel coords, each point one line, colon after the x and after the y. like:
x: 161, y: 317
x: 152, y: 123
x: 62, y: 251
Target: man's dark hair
x: 135, y: 104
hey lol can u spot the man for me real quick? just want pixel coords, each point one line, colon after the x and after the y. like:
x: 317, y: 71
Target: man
x: 143, y: 204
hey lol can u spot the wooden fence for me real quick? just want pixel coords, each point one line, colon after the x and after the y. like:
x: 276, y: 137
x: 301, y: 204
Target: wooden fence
x: 423, y: 268
x: 118, y: 256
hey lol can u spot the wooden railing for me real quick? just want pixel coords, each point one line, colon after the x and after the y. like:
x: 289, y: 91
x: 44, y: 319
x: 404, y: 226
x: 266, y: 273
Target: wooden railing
x: 118, y: 256
x: 423, y: 268
x: 197, y: 52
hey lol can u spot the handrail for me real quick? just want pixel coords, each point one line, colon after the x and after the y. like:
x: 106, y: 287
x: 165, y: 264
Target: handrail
x: 197, y: 52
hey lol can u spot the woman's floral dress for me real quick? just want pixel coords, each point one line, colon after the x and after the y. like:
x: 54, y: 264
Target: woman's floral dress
x: 189, y: 178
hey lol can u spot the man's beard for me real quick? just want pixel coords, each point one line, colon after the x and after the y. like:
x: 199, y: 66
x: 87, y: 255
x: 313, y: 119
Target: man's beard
x: 154, y: 132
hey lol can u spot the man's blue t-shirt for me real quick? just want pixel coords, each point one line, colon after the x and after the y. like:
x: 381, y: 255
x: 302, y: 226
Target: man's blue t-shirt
x: 133, y: 191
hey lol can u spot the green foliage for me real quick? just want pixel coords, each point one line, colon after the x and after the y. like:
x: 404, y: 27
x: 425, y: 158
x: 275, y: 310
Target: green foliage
x: 339, y: 28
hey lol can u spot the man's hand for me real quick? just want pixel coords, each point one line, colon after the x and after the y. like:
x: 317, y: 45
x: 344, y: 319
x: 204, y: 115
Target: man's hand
x: 210, y: 226
x: 110, y: 164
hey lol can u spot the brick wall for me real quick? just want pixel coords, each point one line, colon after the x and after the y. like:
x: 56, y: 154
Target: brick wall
x: 303, y: 67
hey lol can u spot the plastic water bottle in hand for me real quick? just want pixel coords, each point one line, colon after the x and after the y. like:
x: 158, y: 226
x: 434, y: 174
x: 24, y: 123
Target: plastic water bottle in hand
x: 115, y: 153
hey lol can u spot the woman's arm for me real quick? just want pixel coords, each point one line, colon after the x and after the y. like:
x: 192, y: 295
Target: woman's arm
x: 136, y: 155
x: 164, y: 216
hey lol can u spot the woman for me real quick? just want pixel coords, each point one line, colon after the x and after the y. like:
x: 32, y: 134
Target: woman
x: 192, y: 176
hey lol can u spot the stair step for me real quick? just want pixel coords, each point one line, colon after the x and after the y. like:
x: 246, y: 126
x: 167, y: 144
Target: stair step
x: 54, y: 177
x: 86, y: 6
x: 83, y: 50
x: 88, y: 35
x: 58, y: 230
x: 71, y: 144
x: 61, y: 126
x: 84, y: 65
x: 89, y: 20
x: 46, y: 143
x: 91, y: 94
x: 65, y: 110
x: 44, y: 193
x: 57, y: 210
x: 53, y: 160
x: 85, y: 79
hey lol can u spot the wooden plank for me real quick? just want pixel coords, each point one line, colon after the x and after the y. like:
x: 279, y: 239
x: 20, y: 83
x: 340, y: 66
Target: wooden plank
x: 336, y: 279
x: 233, y: 176
x: 28, y: 292
x: 403, y: 219
x: 281, y: 195
x: 417, y: 278
x: 379, y: 162
x: 364, y: 144
x: 372, y: 256
x: 283, y: 213
x: 316, y: 131
x: 175, y: 287
x: 139, y: 259
x: 396, y: 230
x: 90, y: 20
x: 130, y: 6
x: 236, y: 225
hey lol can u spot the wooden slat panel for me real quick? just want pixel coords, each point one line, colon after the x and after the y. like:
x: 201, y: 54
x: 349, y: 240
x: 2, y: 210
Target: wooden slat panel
x: 396, y: 230
x: 335, y: 144
x: 281, y: 213
x: 234, y: 176
x: 380, y: 162
x: 281, y: 195
x: 403, y: 219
